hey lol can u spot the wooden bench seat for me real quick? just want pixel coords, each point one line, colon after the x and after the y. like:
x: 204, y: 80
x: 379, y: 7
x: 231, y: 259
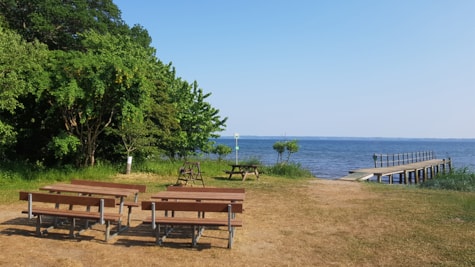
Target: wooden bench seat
x: 189, y: 218
x: 205, y: 189
x: 85, y: 202
x: 129, y: 204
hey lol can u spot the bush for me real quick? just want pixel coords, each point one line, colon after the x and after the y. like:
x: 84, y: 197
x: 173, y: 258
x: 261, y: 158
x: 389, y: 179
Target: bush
x: 458, y: 179
x: 290, y: 170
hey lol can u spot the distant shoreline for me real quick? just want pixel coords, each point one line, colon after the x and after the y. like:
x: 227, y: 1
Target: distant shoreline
x: 346, y: 138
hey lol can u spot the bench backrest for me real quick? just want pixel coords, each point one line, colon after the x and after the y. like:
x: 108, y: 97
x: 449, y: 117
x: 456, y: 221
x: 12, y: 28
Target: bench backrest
x: 140, y: 188
x: 67, y: 199
x: 192, y: 206
x: 205, y: 189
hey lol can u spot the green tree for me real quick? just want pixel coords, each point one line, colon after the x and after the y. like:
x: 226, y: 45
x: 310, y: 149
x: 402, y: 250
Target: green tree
x: 93, y: 89
x: 57, y: 22
x: 222, y: 151
x: 198, y: 121
x: 280, y: 148
x: 21, y: 75
x: 290, y: 146
x: 106, y: 88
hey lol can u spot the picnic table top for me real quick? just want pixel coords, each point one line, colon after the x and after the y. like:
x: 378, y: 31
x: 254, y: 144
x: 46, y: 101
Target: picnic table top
x: 187, y: 195
x: 245, y: 165
x: 89, y: 189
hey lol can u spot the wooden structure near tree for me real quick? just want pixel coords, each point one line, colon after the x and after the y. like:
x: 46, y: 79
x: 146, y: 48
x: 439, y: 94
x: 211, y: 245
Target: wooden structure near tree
x: 190, y: 172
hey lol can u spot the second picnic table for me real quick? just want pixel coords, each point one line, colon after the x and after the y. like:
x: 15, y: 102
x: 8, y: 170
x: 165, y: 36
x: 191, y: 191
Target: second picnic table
x: 243, y: 170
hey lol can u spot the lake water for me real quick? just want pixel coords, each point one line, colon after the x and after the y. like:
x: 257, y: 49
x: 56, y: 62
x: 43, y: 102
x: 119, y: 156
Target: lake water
x: 332, y: 158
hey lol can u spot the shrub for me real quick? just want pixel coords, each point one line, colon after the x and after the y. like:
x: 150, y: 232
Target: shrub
x: 457, y: 179
x: 290, y: 170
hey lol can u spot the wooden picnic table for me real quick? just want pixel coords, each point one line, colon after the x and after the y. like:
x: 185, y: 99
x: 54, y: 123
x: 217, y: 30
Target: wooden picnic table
x: 194, y: 201
x: 243, y: 170
x: 121, y: 193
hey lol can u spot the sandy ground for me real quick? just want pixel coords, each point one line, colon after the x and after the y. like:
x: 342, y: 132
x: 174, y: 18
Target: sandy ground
x: 273, y: 235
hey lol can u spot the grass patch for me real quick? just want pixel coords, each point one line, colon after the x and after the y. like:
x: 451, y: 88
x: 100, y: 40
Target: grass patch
x: 289, y: 170
x: 329, y: 223
x: 457, y: 179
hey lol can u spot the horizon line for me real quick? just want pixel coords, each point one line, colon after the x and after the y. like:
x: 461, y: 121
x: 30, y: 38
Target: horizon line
x: 346, y: 137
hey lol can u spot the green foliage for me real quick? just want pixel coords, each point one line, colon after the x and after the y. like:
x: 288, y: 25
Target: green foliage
x: 21, y: 73
x: 98, y: 93
x: 457, y: 179
x: 64, y: 144
x: 198, y: 121
x: 289, y: 146
x: 251, y: 161
x: 222, y: 151
x: 290, y: 170
x: 280, y: 148
x: 106, y: 84
x: 56, y: 22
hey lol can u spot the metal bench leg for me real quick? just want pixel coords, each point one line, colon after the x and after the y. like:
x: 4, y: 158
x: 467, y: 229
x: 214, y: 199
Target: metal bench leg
x: 158, y: 239
x: 38, y: 225
x: 72, y: 227
x: 231, y: 230
x: 193, y: 236
x: 128, y: 216
x: 108, y: 230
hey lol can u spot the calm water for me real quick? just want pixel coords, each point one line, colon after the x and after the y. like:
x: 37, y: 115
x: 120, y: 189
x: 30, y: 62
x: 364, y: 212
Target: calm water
x: 335, y: 157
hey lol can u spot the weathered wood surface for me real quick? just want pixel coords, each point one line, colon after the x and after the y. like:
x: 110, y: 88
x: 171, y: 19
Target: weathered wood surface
x: 367, y: 173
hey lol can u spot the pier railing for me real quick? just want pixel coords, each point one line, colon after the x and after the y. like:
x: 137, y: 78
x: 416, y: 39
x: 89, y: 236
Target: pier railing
x: 387, y: 160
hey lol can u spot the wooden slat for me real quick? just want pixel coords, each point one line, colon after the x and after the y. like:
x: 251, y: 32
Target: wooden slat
x: 205, y: 189
x: 74, y: 214
x: 219, y: 196
x: 192, y: 206
x: 357, y: 176
x: 195, y: 221
x: 67, y: 199
x: 140, y: 188
x: 88, y: 189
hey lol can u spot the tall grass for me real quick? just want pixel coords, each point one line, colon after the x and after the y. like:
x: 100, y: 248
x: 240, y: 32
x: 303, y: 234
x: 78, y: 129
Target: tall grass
x: 19, y: 176
x: 289, y: 170
x: 457, y: 179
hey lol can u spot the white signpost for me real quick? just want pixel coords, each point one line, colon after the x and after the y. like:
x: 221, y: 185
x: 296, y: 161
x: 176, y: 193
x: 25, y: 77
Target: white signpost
x: 236, y: 136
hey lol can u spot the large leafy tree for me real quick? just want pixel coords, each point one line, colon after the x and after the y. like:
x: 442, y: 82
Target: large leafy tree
x: 198, y: 121
x: 57, y: 23
x: 103, y: 85
x: 21, y: 76
x: 106, y: 88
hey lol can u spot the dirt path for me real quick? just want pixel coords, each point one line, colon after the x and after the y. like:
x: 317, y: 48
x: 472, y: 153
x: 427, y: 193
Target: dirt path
x: 294, y: 227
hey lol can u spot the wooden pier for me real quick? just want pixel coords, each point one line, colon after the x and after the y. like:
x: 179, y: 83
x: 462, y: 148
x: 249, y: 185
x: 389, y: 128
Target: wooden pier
x: 412, y: 170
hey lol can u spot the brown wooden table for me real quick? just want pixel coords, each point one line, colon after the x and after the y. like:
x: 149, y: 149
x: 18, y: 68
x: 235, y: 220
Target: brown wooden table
x: 199, y: 197
x: 121, y: 193
x: 243, y: 170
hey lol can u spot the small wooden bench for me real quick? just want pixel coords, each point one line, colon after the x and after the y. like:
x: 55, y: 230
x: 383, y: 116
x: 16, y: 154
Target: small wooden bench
x: 197, y: 223
x: 128, y: 204
x: 205, y: 189
x: 56, y: 211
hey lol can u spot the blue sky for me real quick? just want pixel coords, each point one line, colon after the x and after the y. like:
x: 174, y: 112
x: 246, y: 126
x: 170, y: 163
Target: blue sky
x: 367, y: 68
